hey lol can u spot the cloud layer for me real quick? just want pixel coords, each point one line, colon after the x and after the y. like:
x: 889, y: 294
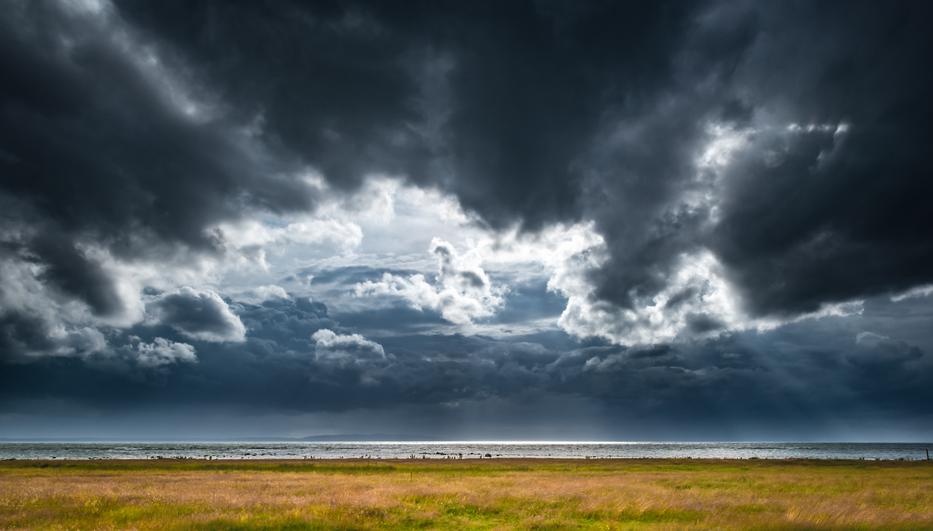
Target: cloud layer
x: 658, y: 191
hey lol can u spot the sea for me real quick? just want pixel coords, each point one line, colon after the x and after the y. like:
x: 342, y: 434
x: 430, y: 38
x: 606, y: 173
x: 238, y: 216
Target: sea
x: 461, y: 449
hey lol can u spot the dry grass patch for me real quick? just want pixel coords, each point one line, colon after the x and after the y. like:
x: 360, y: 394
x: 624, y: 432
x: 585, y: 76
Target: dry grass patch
x: 487, y: 494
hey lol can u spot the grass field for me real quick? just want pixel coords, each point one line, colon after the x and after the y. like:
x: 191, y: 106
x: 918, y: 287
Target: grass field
x: 484, y: 494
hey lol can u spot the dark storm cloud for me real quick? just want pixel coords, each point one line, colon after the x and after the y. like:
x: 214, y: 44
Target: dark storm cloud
x: 806, y: 217
x: 498, y: 103
x: 21, y: 333
x: 147, y: 124
x: 96, y: 145
x: 70, y: 271
x: 331, y: 81
x: 537, y: 112
x: 100, y: 151
x: 844, y: 215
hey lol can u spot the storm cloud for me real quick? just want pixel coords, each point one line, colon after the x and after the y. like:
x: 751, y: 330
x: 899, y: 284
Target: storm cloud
x: 440, y: 203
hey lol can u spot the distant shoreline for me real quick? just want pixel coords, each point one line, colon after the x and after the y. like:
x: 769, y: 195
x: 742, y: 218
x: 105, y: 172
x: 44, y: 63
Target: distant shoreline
x: 438, y: 450
x: 246, y: 462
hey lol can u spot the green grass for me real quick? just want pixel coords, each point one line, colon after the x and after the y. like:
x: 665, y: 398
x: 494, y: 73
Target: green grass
x: 469, y: 494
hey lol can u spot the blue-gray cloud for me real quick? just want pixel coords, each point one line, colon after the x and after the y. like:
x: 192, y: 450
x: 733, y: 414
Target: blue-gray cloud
x: 810, y: 377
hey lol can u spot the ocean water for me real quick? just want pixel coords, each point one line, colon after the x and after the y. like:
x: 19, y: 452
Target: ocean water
x: 472, y: 449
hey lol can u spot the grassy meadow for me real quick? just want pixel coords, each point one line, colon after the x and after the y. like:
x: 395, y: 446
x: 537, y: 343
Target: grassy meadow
x: 468, y: 494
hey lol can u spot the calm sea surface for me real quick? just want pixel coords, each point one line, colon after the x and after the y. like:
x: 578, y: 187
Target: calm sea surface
x: 443, y: 450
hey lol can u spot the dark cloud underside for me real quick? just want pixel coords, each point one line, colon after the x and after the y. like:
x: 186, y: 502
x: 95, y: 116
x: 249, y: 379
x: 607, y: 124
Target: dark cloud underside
x: 718, y: 386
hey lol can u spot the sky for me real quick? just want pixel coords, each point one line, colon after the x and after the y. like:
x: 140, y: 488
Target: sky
x: 704, y: 220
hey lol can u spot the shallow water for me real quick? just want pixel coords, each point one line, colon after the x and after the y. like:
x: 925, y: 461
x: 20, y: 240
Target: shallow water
x: 443, y: 450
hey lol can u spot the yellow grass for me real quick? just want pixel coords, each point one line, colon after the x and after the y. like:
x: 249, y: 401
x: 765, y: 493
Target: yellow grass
x: 486, y: 494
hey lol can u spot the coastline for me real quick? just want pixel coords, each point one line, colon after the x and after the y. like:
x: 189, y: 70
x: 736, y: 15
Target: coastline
x: 446, y: 450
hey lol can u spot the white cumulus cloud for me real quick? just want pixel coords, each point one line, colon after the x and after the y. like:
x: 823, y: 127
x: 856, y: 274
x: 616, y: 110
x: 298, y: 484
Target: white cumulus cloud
x: 461, y: 291
x: 330, y: 346
x: 164, y: 352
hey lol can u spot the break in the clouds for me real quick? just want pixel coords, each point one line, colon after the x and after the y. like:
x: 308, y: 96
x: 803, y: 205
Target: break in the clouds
x: 444, y: 205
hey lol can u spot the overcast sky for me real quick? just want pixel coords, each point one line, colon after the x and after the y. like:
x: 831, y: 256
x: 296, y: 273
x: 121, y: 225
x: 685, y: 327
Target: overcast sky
x: 470, y: 220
